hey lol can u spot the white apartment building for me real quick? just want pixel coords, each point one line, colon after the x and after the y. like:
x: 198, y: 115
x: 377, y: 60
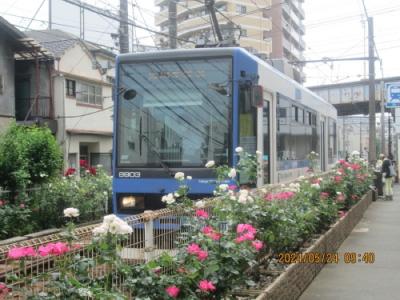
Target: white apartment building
x: 271, y: 28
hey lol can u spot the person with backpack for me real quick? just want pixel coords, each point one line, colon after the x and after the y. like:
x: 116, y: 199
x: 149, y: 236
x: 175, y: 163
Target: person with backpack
x: 388, y: 173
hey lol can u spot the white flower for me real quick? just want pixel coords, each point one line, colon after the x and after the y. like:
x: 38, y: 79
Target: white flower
x: 355, y: 153
x: 180, y: 176
x: 258, y: 152
x: 302, y: 177
x: 210, y: 164
x: 238, y: 149
x: 200, y: 204
x: 109, y: 218
x: 71, y: 212
x: 315, y: 186
x: 112, y: 224
x: 189, y: 177
x: 169, y: 199
x: 223, y: 187
x: 83, y: 292
x: 176, y: 195
x: 338, y: 193
x: 232, y: 173
x: 244, y: 197
x: 105, y: 193
x: 320, y: 179
x: 99, y: 166
x: 100, y: 230
x: 42, y: 175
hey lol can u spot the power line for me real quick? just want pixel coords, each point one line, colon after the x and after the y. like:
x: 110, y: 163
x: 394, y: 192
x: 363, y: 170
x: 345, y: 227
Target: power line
x: 34, y: 15
x: 114, y: 17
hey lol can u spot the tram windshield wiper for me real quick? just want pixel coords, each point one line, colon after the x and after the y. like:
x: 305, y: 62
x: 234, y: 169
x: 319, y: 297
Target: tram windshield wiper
x: 152, y: 149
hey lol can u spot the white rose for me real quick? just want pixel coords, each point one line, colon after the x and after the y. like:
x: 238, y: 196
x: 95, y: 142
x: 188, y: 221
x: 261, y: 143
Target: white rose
x: 302, y: 177
x: 238, y: 149
x: 258, y: 152
x: 232, y: 173
x: 180, y: 176
x: 169, y: 199
x: 100, y: 230
x: 108, y: 219
x: 244, y: 193
x: 223, y: 187
x: 71, y: 212
x: 210, y: 164
x: 125, y: 229
x: 189, y: 178
x: 316, y: 186
x: 242, y: 199
x: 200, y: 204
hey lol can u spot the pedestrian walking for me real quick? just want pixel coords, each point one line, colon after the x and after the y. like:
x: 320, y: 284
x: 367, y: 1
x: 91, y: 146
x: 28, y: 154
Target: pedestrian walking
x: 388, y: 173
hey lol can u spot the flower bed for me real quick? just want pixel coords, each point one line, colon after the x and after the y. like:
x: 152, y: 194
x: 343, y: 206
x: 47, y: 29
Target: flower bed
x: 221, y: 244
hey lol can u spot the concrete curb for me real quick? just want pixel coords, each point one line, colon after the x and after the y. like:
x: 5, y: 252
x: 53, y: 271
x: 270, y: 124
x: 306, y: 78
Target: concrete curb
x: 296, y: 278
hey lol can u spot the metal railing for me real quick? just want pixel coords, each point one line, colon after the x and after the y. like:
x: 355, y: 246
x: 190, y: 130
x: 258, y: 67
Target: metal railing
x: 154, y: 232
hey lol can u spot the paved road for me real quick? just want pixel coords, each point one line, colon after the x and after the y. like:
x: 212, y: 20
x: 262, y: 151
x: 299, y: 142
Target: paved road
x: 379, y: 232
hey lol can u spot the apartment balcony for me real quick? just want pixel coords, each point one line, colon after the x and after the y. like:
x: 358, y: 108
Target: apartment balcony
x: 302, y: 28
x: 302, y: 44
x: 161, y: 18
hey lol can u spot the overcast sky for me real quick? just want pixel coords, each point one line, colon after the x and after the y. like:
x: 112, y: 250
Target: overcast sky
x: 334, y: 28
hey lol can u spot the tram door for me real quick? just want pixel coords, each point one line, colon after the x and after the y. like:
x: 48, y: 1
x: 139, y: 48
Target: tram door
x: 265, y: 149
x: 323, y: 146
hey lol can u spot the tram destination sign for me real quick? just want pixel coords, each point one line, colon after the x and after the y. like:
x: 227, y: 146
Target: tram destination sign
x: 392, y: 94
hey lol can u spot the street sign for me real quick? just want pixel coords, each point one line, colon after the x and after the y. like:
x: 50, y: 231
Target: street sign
x: 392, y: 94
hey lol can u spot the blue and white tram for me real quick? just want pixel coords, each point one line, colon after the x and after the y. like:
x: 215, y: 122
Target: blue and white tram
x: 176, y: 110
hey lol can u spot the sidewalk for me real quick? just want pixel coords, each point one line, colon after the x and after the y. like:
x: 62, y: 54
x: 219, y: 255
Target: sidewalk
x: 378, y: 232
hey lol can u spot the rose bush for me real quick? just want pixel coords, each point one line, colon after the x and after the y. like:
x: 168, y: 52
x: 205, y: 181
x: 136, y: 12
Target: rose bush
x: 221, y: 243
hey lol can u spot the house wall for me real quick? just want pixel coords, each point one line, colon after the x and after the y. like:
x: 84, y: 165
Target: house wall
x: 82, y: 124
x: 7, y: 105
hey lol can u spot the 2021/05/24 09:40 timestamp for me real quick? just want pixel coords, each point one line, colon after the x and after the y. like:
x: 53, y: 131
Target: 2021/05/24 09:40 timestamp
x: 326, y: 258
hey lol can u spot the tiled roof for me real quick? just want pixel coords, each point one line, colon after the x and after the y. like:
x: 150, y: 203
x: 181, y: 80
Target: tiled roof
x: 56, y: 41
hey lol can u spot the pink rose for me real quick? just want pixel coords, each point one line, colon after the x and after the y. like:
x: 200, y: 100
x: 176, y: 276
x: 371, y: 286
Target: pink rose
x: 324, y: 195
x: 21, y: 252
x: 193, y: 248
x: 173, y: 291
x: 257, y: 245
x: 207, y: 230
x: 202, y: 255
x: 201, y: 213
x: 206, y: 286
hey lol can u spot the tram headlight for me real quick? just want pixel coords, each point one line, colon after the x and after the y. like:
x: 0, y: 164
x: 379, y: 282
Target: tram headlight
x: 130, y: 201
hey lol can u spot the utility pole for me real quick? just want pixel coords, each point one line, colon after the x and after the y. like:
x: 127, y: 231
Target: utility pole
x: 172, y: 11
x: 372, y: 117
x: 123, y: 27
x: 50, y: 15
x: 210, y: 7
x: 389, y: 135
x: 383, y: 118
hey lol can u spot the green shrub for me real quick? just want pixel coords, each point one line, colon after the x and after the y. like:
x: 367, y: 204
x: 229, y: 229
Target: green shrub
x: 91, y: 194
x: 28, y: 156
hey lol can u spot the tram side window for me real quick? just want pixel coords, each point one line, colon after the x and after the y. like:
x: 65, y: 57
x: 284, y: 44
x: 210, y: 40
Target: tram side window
x: 247, y: 122
x: 332, y: 143
x: 297, y: 134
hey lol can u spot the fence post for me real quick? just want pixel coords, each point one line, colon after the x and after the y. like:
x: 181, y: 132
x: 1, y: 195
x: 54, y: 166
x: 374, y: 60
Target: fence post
x: 149, y: 236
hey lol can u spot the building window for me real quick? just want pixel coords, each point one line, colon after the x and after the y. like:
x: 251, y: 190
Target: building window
x: 71, y: 87
x: 243, y: 32
x: 241, y: 9
x: 265, y: 35
x: 89, y: 93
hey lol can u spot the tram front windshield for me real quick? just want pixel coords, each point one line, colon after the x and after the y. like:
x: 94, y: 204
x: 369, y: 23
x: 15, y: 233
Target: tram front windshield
x: 174, y: 113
